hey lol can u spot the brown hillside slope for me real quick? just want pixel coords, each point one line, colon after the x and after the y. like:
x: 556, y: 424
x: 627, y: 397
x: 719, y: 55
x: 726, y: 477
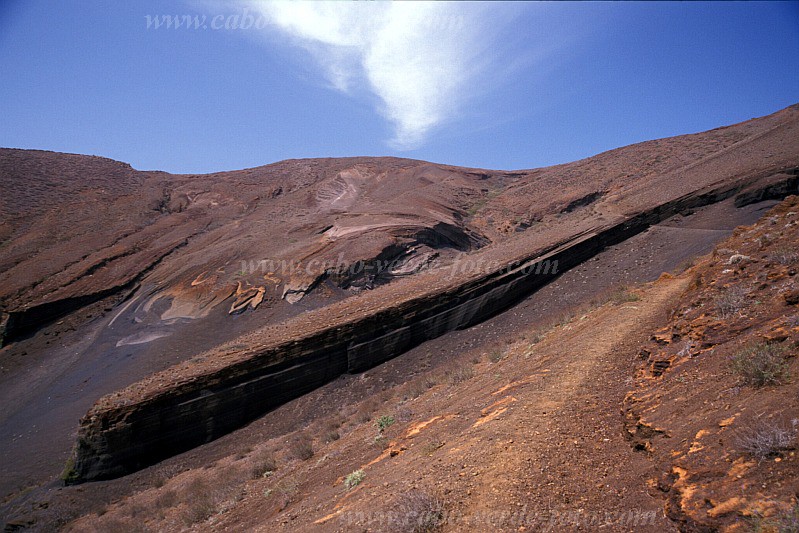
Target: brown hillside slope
x: 544, y: 434
x: 225, y: 384
x: 165, y: 232
x: 109, y: 275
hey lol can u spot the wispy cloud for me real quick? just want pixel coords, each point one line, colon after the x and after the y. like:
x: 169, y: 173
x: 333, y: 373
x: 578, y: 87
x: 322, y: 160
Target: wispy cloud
x: 418, y: 58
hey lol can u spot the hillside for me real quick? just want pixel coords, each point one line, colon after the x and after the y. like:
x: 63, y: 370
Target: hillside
x: 155, y: 325
x: 576, y: 424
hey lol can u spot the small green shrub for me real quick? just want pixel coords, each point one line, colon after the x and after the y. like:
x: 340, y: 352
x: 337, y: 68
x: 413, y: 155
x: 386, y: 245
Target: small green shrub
x: 760, y: 364
x: 384, y: 422
x: 354, y: 478
x: 69, y: 475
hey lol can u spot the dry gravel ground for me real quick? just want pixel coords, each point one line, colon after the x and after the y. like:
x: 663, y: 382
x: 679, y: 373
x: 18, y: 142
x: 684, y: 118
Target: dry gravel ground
x: 716, y: 399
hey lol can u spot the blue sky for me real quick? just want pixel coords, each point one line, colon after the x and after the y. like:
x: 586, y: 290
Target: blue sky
x: 504, y: 86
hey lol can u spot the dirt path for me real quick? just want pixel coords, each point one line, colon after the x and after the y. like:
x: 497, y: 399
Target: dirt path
x: 559, y: 456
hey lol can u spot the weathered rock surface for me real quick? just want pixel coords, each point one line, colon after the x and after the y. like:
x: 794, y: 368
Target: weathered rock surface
x: 306, y: 244
x: 226, y: 388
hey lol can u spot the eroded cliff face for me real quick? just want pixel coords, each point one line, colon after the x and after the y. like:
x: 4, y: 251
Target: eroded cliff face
x: 189, y: 406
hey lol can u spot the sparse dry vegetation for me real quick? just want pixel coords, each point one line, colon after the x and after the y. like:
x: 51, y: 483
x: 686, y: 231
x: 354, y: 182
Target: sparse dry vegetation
x: 285, y: 492
x: 623, y: 295
x: 301, y: 448
x: 367, y: 410
x: 419, y: 511
x: 496, y: 355
x: 204, y: 499
x: 264, y: 463
x: 404, y: 414
x: 448, y: 412
x: 421, y: 384
x: 459, y: 374
x: 331, y: 436
x: 683, y: 266
x: 759, y: 364
x: 788, y: 522
x: 167, y: 499
x: 537, y: 337
x: 431, y: 447
x: 785, y: 255
x: 730, y: 302
x: 767, y: 438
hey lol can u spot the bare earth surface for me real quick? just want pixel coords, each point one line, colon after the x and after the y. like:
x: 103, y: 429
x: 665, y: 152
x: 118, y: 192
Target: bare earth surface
x: 662, y: 248
x: 530, y: 440
x: 535, y: 432
x: 547, y: 416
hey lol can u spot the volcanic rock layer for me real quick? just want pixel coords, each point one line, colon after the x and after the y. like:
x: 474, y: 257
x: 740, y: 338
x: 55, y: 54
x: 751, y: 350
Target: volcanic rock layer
x: 158, y: 418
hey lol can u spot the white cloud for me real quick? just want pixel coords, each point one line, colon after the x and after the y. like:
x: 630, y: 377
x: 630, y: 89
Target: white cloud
x: 418, y: 58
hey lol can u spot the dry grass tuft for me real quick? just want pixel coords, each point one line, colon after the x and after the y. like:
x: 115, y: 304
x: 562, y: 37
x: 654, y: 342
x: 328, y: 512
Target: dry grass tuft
x: 263, y: 463
x: 459, y: 374
x: 760, y: 364
x: 730, y: 302
x: 419, y: 512
x: 301, y: 448
x: 767, y: 438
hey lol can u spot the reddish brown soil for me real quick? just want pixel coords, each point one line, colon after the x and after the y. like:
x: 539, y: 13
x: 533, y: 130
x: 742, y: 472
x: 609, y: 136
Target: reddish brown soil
x: 532, y: 439
x: 692, y: 412
x: 530, y: 435
x: 168, y: 249
x: 663, y: 248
